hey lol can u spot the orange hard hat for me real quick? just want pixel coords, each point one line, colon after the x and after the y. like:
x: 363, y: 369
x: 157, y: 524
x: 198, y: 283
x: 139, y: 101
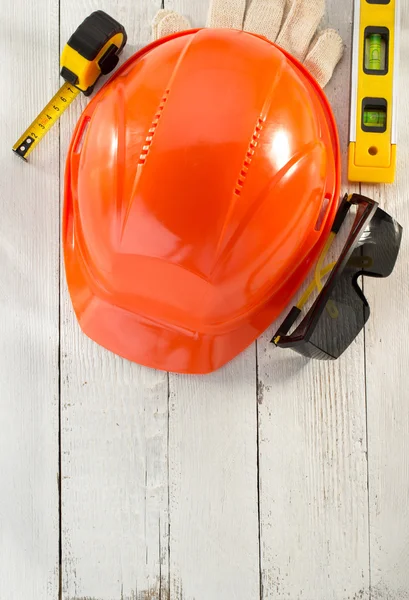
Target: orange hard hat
x: 201, y: 184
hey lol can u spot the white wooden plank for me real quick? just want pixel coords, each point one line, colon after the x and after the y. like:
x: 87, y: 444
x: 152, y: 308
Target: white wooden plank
x: 313, y: 469
x: 29, y: 263
x: 313, y: 477
x: 114, y: 428
x: 214, y: 551
x: 387, y: 380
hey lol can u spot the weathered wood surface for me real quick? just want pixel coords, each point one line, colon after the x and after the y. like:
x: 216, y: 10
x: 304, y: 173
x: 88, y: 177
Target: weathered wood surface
x: 273, y: 478
x: 29, y: 307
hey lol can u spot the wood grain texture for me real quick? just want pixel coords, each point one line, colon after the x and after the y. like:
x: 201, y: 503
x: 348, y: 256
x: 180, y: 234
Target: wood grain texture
x: 29, y: 262
x: 178, y: 487
x: 387, y: 369
x: 214, y: 550
x: 313, y: 468
x: 114, y: 427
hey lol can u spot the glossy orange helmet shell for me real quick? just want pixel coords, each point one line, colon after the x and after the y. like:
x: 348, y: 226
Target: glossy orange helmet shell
x: 201, y: 185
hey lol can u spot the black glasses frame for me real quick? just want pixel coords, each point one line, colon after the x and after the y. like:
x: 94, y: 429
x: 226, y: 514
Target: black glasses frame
x: 299, y: 340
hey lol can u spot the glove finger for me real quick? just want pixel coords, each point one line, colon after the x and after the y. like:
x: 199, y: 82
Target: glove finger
x: 265, y: 17
x: 226, y: 13
x: 172, y: 23
x: 324, y: 55
x: 156, y: 20
x: 287, y: 8
x: 300, y: 26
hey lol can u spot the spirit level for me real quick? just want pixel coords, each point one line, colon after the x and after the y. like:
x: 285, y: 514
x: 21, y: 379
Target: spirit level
x: 90, y: 52
x: 375, y: 62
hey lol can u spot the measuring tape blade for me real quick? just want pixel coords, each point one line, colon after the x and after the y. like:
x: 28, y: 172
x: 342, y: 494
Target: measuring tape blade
x: 92, y: 51
x: 45, y: 120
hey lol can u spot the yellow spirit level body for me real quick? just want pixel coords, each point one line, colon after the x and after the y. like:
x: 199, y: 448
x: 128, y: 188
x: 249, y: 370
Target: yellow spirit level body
x: 375, y: 63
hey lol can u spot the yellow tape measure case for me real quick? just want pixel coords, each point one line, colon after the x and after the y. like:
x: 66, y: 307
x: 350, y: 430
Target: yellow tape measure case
x: 92, y: 51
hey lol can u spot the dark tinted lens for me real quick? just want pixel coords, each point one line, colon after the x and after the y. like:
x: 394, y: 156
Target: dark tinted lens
x: 344, y: 316
x: 310, y: 351
x: 346, y: 310
x: 380, y: 243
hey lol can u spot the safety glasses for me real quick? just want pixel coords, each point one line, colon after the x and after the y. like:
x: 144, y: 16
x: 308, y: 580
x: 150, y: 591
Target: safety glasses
x: 341, y: 310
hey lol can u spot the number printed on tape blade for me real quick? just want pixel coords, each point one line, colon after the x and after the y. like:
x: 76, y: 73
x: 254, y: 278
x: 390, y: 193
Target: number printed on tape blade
x: 45, y: 120
x: 91, y: 51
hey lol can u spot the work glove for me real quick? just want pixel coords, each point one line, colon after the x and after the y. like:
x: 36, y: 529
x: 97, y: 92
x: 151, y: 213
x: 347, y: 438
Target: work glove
x: 291, y: 24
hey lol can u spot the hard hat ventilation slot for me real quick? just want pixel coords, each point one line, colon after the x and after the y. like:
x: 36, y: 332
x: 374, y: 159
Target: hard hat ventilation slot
x: 152, y: 129
x: 249, y: 156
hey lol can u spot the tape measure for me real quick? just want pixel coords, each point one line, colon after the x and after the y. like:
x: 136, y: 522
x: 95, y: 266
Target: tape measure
x: 373, y: 134
x: 90, y: 52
